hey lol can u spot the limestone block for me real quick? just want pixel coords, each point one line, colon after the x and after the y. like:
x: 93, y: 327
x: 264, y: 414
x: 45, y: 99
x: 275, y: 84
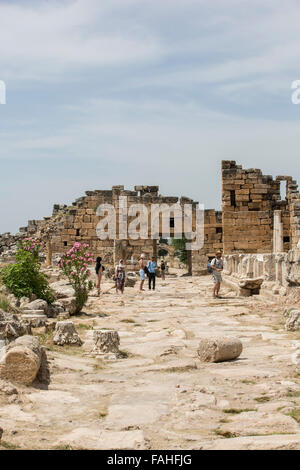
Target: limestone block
x: 21, y: 360
x: 219, y: 349
x: 131, y: 279
x: 62, y: 289
x: 106, y: 341
x: 293, y: 321
x: 65, y: 333
x: 11, y: 327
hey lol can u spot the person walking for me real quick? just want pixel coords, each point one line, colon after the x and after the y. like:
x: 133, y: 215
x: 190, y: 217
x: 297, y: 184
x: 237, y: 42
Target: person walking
x: 120, y: 276
x: 142, y: 273
x: 163, y: 270
x: 99, y: 268
x: 152, y: 266
x: 217, y: 267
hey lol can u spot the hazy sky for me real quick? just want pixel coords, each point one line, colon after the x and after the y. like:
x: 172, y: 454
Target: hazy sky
x: 143, y: 92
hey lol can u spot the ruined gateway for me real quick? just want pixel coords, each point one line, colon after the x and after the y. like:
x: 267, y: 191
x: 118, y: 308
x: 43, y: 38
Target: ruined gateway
x: 257, y: 231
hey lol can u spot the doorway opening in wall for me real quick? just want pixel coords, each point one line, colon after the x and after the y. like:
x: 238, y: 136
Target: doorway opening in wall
x: 283, y: 190
x: 173, y: 252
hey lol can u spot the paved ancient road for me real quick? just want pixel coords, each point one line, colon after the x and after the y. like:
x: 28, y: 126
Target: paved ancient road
x: 161, y: 396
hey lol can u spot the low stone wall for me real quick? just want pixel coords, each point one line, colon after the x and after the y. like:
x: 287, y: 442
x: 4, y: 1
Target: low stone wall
x: 270, y: 267
x: 274, y: 272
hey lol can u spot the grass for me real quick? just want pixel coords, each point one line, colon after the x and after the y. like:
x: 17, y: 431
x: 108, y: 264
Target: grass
x: 6, y: 305
x: 8, y: 445
x: 248, y: 382
x: 84, y: 326
x: 63, y: 447
x: 128, y: 320
x: 293, y: 393
x: 295, y: 413
x: 226, y: 434
x: 280, y: 408
x: 264, y: 399
x: 102, y: 414
x: 125, y: 354
x: 46, y: 339
x: 236, y: 411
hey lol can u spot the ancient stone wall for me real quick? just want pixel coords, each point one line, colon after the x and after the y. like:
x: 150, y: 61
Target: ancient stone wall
x: 78, y: 223
x: 249, y: 202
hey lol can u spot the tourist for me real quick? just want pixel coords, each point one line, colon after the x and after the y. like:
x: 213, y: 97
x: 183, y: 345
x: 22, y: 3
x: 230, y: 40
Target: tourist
x: 142, y: 270
x: 99, y: 268
x: 217, y: 267
x: 151, y: 267
x: 162, y: 269
x: 120, y: 276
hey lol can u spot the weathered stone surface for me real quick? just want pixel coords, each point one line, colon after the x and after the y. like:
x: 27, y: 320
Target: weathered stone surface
x: 37, y: 304
x: 293, y: 321
x: 65, y: 333
x: 87, y: 438
x: 106, y: 341
x: 7, y: 388
x: 11, y: 327
x: 219, y: 349
x: 21, y: 361
x: 131, y: 279
x: 69, y: 304
x: 62, y: 289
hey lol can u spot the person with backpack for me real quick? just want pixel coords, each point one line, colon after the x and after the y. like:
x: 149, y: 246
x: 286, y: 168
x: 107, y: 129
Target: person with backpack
x: 99, y: 268
x: 217, y: 267
x: 152, y: 266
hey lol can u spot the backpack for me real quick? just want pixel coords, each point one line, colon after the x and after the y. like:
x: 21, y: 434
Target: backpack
x: 209, y: 269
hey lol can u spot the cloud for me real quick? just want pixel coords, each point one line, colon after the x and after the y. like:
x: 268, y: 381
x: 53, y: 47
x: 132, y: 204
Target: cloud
x: 47, y: 40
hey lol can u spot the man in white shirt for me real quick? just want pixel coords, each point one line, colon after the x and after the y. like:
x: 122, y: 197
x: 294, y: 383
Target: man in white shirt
x: 217, y: 267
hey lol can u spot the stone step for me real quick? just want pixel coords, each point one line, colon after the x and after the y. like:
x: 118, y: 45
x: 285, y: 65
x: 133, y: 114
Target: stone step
x: 33, y: 316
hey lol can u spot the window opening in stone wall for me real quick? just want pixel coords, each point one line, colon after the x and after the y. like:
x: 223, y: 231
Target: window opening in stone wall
x: 232, y: 198
x: 282, y: 190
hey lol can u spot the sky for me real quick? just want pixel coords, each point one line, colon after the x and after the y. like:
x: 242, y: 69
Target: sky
x: 102, y: 93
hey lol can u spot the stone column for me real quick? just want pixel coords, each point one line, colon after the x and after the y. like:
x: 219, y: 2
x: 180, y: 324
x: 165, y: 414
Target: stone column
x: 48, y: 253
x: 277, y: 233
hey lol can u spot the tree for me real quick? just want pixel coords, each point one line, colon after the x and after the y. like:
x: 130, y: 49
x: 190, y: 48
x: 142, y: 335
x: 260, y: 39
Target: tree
x: 180, y: 250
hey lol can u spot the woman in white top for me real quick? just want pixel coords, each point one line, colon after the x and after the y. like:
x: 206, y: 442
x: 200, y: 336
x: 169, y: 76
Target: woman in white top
x: 120, y: 276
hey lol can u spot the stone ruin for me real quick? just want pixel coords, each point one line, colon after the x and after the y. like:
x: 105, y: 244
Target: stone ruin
x: 77, y: 223
x: 257, y: 231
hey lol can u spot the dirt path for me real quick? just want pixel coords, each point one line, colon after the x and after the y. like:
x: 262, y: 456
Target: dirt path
x: 160, y: 396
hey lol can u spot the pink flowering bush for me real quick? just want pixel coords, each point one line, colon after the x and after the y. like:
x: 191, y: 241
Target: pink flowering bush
x: 24, y: 278
x: 75, y: 265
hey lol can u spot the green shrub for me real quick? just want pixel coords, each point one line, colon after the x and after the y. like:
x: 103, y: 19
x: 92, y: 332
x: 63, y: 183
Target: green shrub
x: 24, y: 278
